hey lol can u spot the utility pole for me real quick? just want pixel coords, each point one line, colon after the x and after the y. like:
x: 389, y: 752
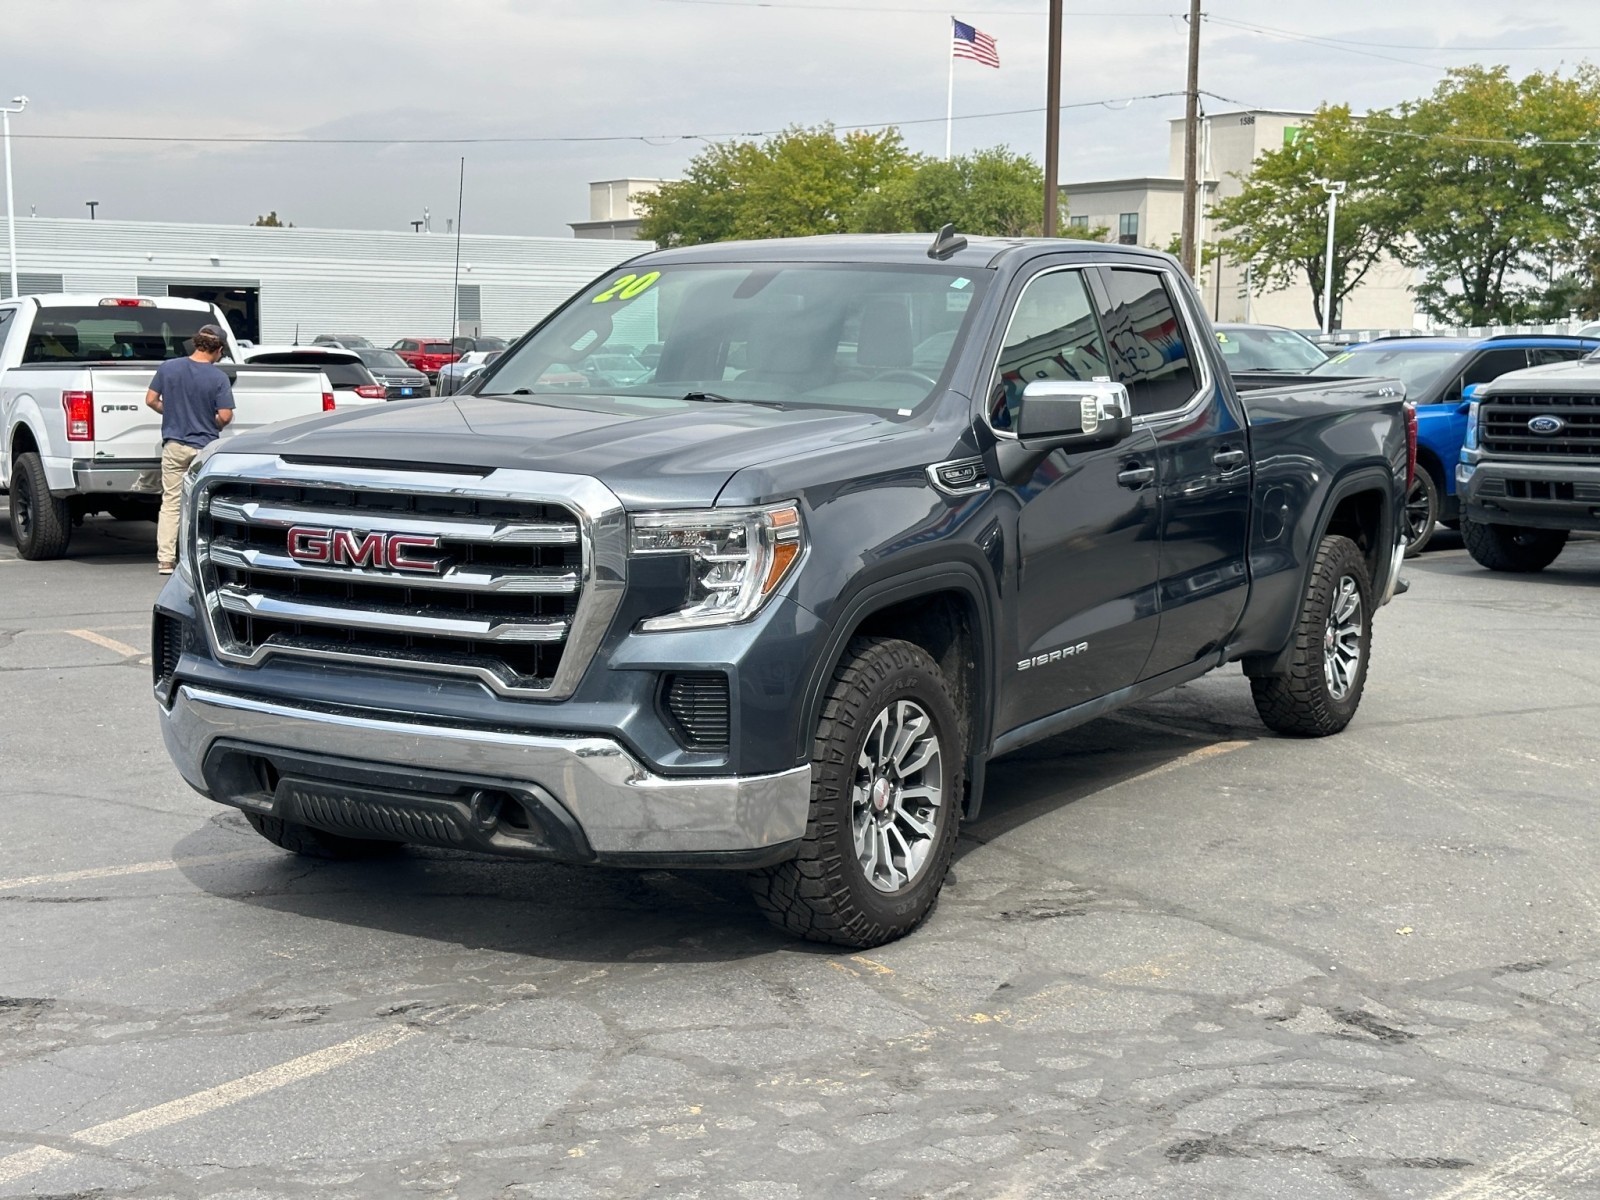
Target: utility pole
x: 1052, y: 125
x: 1191, y: 140
x: 1335, y: 189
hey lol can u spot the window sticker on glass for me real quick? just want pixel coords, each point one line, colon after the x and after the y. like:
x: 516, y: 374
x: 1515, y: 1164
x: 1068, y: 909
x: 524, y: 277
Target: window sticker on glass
x: 628, y: 287
x: 961, y: 281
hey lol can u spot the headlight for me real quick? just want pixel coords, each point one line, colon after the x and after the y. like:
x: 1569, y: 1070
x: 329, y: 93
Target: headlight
x: 186, y: 511
x: 1471, y: 442
x: 740, y: 556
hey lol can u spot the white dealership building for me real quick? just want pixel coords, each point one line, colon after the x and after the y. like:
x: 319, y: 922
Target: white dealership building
x: 274, y: 282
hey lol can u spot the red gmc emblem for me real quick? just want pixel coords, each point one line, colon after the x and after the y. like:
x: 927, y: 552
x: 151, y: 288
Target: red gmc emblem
x: 350, y: 548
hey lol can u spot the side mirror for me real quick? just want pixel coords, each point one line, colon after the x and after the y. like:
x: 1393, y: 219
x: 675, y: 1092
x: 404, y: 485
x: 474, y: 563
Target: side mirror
x: 1074, y: 415
x: 1468, y: 395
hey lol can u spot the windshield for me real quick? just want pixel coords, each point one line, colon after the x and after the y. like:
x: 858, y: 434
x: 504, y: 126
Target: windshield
x: 385, y: 359
x: 1417, y: 369
x: 76, y: 335
x: 1266, y: 349
x: 825, y: 335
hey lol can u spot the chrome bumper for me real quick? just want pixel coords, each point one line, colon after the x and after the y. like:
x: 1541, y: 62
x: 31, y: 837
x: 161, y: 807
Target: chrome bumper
x: 622, y: 808
x: 128, y: 477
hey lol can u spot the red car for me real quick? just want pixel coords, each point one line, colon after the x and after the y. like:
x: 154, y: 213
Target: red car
x: 426, y: 355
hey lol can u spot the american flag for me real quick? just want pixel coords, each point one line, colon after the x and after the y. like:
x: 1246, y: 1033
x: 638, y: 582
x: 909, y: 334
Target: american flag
x: 974, y: 44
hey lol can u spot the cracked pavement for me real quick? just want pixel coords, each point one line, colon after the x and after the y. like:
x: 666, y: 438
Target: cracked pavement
x: 1177, y: 957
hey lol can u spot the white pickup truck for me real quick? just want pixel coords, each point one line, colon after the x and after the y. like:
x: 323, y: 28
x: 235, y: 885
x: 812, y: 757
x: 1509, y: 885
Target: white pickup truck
x: 75, y: 435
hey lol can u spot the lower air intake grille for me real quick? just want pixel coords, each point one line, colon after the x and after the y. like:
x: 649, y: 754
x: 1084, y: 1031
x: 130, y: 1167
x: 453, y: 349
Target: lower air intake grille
x: 166, y: 647
x: 697, y: 707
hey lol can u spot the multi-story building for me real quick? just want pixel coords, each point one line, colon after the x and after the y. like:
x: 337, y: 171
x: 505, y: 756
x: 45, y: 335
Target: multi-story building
x: 1148, y: 211
x: 614, y: 213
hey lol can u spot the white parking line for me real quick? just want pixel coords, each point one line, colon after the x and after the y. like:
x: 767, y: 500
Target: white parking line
x: 26, y: 1162
x: 144, y: 868
x: 100, y: 639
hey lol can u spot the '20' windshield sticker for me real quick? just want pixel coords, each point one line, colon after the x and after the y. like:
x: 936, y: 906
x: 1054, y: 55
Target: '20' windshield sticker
x: 628, y: 287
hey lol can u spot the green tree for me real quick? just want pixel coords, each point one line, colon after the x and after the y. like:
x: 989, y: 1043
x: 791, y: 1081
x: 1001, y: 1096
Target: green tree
x: 1497, y: 176
x: 991, y: 192
x: 272, y: 220
x: 802, y: 181
x: 1279, y: 222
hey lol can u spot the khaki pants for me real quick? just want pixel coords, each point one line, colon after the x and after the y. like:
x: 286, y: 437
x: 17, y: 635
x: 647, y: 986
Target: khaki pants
x: 175, y: 460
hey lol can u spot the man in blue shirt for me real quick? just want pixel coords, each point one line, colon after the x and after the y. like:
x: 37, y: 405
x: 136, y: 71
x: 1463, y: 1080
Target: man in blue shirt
x: 195, y: 401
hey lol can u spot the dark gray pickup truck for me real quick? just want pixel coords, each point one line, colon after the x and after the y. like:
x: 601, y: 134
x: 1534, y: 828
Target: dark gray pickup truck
x: 754, y: 555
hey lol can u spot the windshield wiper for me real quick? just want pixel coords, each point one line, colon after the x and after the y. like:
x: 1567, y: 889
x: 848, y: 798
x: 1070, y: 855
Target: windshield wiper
x: 718, y: 398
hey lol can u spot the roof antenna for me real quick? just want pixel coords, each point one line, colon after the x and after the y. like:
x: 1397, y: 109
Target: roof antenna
x: 946, y: 242
x: 297, y: 333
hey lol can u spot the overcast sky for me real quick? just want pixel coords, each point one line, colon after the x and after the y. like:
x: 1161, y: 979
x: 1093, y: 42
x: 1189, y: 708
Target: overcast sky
x: 669, y: 70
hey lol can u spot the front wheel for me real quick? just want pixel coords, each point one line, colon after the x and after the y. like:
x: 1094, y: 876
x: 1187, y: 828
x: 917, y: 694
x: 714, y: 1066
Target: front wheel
x: 1332, y: 642
x: 1512, y: 547
x: 886, y: 784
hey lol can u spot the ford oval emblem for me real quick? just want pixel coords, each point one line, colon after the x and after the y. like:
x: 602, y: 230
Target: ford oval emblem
x: 1546, y: 426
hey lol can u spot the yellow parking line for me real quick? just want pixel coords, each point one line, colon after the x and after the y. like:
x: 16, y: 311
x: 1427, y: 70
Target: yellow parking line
x: 144, y: 868
x: 148, y: 1120
x: 100, y: 639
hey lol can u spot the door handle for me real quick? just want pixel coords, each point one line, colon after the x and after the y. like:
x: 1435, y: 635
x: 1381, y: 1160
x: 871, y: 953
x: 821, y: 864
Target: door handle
x: 1134, y: 476
x: 1228, y: 459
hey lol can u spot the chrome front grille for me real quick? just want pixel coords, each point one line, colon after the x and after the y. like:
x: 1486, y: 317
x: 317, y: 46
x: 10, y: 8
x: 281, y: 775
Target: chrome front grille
x: 502, y: 580
x: 1505, y: 429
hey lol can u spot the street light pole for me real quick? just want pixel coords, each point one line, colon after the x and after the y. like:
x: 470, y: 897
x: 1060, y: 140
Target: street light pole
x: 21, y: 103
x: 1052, y: 125
x: 1335, y: 189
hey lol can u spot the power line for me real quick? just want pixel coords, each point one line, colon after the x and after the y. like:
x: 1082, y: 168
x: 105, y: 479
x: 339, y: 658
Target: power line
x: 1310, y: 39
x: 1113, y: 103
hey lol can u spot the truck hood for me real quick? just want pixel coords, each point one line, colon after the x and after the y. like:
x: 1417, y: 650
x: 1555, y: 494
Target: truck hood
x: 650, y: 452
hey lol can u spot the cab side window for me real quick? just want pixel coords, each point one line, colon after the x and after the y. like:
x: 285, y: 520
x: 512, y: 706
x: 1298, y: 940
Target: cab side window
x: 1053, y: 334
x: 1150, y: 348
x: 5, y: 327
x: 1544, y: 356
x: 1484, y: 366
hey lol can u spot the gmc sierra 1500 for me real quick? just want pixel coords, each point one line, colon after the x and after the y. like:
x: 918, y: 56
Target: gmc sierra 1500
x: 878, y: 513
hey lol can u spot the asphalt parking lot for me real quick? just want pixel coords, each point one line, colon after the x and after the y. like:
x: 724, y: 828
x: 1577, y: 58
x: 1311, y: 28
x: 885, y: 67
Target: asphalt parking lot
x: 1178, y: 957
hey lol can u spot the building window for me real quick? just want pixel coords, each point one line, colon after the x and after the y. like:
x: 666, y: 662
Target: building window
x: 1128, y: 229
x: 1077, y: 222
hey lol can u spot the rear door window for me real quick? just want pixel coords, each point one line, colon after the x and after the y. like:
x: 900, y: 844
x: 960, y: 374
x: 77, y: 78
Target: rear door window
x: 1544, y: 356
x: 438, y: 348
x: 1150, y: 347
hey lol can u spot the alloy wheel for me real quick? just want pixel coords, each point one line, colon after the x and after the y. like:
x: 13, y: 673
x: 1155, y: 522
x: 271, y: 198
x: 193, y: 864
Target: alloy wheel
x: 1341, y: 640
x: 899, y: 789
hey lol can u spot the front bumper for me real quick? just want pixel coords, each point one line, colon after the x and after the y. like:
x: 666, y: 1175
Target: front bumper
x: 574, y: 798
x: 1530, y: 495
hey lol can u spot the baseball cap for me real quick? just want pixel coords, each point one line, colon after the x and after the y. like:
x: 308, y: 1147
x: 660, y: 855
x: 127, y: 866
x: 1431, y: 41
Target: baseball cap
x: 212, y: 331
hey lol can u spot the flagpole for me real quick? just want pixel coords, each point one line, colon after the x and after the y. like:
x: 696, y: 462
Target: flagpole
x: 950, y: 97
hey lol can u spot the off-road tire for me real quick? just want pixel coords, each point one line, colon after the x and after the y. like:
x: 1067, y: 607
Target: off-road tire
x: 40, y: 523
x: 1302, y: 703
x: 823, y: 894
x: 1424, y: 497
x: 1512, y: 547
x: 316, y: 843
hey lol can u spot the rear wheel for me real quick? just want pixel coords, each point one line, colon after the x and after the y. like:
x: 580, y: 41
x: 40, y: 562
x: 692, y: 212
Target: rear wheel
x: 1512, y: 547
x: 1332, y: 642
x: 41, y: 523
x: 316, y: 843
x: 1422, y: 511
x: 886, y: 775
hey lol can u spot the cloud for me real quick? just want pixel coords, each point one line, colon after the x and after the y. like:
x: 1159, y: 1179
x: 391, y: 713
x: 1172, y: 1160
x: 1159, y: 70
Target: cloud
x: 584, y: 68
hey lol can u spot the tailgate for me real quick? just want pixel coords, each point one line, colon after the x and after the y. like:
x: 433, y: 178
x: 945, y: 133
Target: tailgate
x: 123, y: 427
x: 262, y: 395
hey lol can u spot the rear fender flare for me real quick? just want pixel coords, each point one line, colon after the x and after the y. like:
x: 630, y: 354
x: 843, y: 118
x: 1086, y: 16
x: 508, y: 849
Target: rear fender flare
x: 1366, y: 478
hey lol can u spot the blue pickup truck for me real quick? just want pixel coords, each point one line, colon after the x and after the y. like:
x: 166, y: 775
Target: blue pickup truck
x: 1435, y: 371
